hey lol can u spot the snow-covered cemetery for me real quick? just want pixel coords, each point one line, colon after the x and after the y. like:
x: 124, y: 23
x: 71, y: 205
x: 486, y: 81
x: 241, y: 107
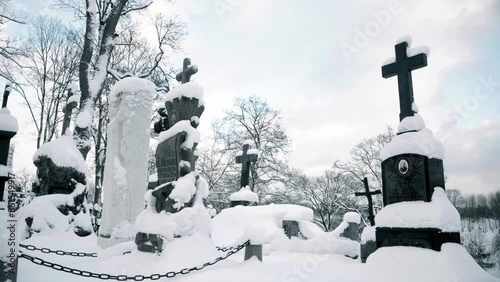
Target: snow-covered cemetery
x: 241, y: 141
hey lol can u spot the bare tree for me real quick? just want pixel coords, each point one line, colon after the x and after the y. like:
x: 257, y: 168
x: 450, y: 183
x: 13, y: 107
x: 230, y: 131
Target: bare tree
x: 101, y: 35
x: 253, y: 119
x: 9, y: 48
x: 50, y: 60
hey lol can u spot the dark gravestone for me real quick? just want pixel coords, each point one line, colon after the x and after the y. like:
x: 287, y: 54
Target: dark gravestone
x: 173, y: 160
x: 53, y: 179
x: 411, y: 177
x: 291, y: 228
x: 428, y: 238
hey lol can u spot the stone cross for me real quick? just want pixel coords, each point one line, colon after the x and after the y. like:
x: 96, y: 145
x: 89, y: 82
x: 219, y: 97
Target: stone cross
x: 67, y: 110
x: 402, y: 67
x: 187, y: 71
x: 245, y: 160
x: 369, y: 195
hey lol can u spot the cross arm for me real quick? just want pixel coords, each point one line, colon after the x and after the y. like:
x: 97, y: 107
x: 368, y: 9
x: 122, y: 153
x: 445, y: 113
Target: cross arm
x: 239, y: 159
x: 389, y: 70
x: 417, y: 61
x: 252, y: 158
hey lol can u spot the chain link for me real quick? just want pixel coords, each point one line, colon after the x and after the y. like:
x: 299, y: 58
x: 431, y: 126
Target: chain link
x: 103, y: 276
x: 57, y: 252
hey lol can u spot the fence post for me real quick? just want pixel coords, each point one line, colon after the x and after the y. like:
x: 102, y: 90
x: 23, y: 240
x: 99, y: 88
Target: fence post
x: 253, y: 250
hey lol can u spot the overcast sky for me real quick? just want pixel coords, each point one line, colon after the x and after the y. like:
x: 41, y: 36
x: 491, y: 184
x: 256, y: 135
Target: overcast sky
x: 319, y: 64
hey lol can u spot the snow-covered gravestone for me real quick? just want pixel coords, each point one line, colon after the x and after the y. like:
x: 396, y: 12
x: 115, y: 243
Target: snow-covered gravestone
x: 416, y: 210
x: 8, y: 128
x: 125, y: 172
x: 245, y: 196
x: 175, y: 208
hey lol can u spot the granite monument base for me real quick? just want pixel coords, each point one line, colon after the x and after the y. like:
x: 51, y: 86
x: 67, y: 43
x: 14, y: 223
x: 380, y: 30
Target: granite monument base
x: 428, y: 238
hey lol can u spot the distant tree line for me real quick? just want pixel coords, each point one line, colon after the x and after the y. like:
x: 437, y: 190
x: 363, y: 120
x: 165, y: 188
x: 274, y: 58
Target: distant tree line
x: 476, y: 206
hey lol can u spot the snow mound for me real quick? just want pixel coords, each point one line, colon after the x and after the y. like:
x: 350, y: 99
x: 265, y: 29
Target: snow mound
x: 188, y: 90
x: 263, y: 225
x: 187, y: 221
x: 7, y: 121
x: 452, y: 263
x: 439, y: 213
x: 421, y: 141
x: 63, y: 152
x: 48, y: 219
x: 368, y: 234
x: 245, y: 194
x: 353, y: 217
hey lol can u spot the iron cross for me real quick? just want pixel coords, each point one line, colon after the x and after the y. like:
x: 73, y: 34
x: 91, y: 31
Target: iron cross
x: 402, y: 68
x: 245, y: 159
x: 187, y: 71
x: 369, y: 195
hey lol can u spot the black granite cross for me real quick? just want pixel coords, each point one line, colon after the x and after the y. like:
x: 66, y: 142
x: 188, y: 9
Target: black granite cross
x: 402, y: 68
x: 67, y: 110
x: 245, y: 160
x: 187, y: 71
x: 369, y: 195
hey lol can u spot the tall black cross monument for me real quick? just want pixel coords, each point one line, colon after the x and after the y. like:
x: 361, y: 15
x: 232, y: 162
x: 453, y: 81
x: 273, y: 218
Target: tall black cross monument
x: 402, y: 67
x: 245, y: 159
x: 410, y: 177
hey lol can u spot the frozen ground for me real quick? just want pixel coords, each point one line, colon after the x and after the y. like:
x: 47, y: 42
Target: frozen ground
x: 388, y: 264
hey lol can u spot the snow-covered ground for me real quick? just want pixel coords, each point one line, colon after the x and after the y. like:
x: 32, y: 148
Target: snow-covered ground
x: 453, y: 263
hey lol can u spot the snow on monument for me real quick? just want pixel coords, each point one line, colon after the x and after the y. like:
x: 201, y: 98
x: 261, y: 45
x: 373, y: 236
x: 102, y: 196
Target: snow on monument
x: 125, y: 173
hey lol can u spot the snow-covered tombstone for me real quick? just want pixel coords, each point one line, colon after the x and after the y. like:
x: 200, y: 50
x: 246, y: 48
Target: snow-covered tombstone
x: 416, y: 209
x: 125, y: 172
x: 175, y: 208
x: 58, y: 162
x: 8, y: 129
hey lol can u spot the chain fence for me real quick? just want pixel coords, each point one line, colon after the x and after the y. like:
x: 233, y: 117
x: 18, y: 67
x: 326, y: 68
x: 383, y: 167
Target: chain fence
x: 170, y: 274
x: 83, y: 254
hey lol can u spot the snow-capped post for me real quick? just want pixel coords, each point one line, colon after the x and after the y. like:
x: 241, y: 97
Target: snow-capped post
x: 369, y: 194
x: 175, y: 208
x: 402, y: 67
x: 246, y: 158
x: 125, y: 171
x: 416, y: 209
x: 8, y: 129
x: 71, y: 103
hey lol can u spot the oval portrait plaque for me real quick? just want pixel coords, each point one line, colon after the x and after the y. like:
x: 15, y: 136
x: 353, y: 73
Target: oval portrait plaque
x: 403, y: 166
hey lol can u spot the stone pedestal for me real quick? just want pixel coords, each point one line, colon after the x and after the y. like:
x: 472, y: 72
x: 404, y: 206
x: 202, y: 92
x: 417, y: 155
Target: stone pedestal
x: 428, y: 238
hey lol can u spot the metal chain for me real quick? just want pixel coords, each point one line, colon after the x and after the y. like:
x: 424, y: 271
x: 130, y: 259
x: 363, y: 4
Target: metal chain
x: 82, y: 254
x: 57, y: 252
x: 103, y: 276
